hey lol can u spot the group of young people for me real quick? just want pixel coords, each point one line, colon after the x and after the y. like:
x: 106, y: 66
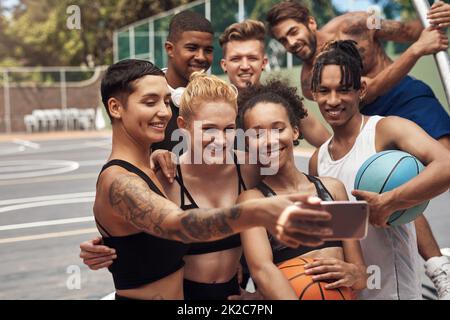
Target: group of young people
x: 181, y: 232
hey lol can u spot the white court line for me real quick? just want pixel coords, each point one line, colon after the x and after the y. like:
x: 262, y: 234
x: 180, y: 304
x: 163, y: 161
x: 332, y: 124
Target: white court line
x: 85, y: 145
x: 63, y: 166
x: 91, y: 162
x: 26, y: 143
x: 47, y: 197
x: 24, y: 168
x: 51, y: 179
x: 45, y: 223
x: 48, y: 235
x: 10, y: 151
x: 45, y: 204
x: 40, y: 167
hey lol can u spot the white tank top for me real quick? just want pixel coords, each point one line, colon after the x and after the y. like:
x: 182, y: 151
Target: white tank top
x: 393, y: 250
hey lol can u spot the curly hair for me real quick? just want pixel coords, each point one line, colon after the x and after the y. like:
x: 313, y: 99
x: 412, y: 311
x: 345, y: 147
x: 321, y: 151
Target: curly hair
x: 343, y: 53
x: 274, y: 91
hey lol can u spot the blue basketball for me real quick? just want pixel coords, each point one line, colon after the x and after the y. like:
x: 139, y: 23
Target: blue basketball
x: 388, y: 170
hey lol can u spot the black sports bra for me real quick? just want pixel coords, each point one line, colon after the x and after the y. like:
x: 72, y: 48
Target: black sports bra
x: 282, y: 253
x: 142, y: 258
x: 214, y: 246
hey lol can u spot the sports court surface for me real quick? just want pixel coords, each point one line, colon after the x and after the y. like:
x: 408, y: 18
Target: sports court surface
x: 47, y: 188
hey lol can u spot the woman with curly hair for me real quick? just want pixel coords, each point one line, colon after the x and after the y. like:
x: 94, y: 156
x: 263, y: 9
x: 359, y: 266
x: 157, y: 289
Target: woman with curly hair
x: 273, y: 112
x: 214, y: 180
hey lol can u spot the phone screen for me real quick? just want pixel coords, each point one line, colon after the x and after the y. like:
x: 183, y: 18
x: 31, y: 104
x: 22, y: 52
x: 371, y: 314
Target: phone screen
x: 349, y: 220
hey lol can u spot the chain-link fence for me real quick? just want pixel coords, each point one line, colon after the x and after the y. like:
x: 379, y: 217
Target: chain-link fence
x: 145, y: 39
x: 36, y: 99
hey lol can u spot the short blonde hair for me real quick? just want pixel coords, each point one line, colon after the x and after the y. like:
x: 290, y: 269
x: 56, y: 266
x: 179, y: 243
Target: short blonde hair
x: 203, y: 87
x: 243, y: 31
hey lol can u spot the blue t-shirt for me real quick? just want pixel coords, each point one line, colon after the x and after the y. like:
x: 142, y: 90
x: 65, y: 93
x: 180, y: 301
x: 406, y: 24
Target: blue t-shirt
x: 414, y: 100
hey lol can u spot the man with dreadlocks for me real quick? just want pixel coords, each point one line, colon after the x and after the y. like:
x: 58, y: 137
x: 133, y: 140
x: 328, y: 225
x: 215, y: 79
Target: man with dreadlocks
x: 337, y: 87
x: 389, y: 90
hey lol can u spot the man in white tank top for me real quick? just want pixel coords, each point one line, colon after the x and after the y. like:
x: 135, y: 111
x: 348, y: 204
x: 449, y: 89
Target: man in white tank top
x: 338, y: 90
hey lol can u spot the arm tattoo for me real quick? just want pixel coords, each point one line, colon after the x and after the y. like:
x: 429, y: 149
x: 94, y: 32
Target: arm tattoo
x: 392, y: 27
x: 133, y: 199
x: 130, y: 196
x: 201, y: 224
x: 399, y: 31
x: 356, y: 26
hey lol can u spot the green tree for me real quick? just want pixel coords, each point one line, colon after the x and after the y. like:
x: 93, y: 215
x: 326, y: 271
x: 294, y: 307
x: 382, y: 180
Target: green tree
x: 37, y: 33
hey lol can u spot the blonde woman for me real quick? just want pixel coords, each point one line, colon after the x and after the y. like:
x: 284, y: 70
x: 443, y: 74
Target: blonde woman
x: 149, y: 232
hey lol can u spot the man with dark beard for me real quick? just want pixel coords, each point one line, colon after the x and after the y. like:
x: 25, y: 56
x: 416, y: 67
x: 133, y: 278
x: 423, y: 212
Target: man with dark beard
x: 390, y: 92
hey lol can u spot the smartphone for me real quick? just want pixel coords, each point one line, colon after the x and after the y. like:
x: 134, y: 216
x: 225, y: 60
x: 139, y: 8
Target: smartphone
x: 350, y: 219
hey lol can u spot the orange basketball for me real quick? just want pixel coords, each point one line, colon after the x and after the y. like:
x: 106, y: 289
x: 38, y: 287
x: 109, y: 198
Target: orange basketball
x: 305, y: 287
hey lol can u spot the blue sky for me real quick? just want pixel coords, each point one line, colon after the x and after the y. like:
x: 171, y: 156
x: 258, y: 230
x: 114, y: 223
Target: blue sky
x: 341, y: 4
x: 352, y: 5
x: 8, y: 3
x: 344, y: 5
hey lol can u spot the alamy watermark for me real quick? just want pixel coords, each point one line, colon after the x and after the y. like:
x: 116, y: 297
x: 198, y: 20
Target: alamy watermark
x: 211, y: 146
x: 374, y: 20
x: 73, y: 281
x: 73, y: 21
x: 374, y: 279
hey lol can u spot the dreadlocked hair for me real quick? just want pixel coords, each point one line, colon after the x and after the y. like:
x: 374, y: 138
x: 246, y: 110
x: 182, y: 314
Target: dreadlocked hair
x: 274, y: 91
x: 343, y: 53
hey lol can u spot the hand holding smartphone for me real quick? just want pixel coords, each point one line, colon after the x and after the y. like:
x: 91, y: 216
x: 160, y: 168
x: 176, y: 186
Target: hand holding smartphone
x: 350, y: 219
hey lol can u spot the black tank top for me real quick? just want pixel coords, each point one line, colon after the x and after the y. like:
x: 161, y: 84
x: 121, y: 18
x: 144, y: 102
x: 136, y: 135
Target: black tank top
x: 214, y: 246
x: 282, y: 253
x: 142, y: 258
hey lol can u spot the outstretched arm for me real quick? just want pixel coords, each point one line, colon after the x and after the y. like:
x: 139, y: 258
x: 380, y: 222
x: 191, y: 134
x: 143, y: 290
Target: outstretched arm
x: 133, y: 201
x: 439, y: 16
x: 399, y: 31
x: 432, y: 40
x: 362, y: 22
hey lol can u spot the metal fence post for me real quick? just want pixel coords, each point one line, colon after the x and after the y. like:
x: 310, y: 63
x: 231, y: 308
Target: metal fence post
x: 116, y: 46
x: 241, y: 14
x: 132, y: 43
x: 63, y: 86
x: 442, y: 58
x: 7, y: 100
x: 151, y: 40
